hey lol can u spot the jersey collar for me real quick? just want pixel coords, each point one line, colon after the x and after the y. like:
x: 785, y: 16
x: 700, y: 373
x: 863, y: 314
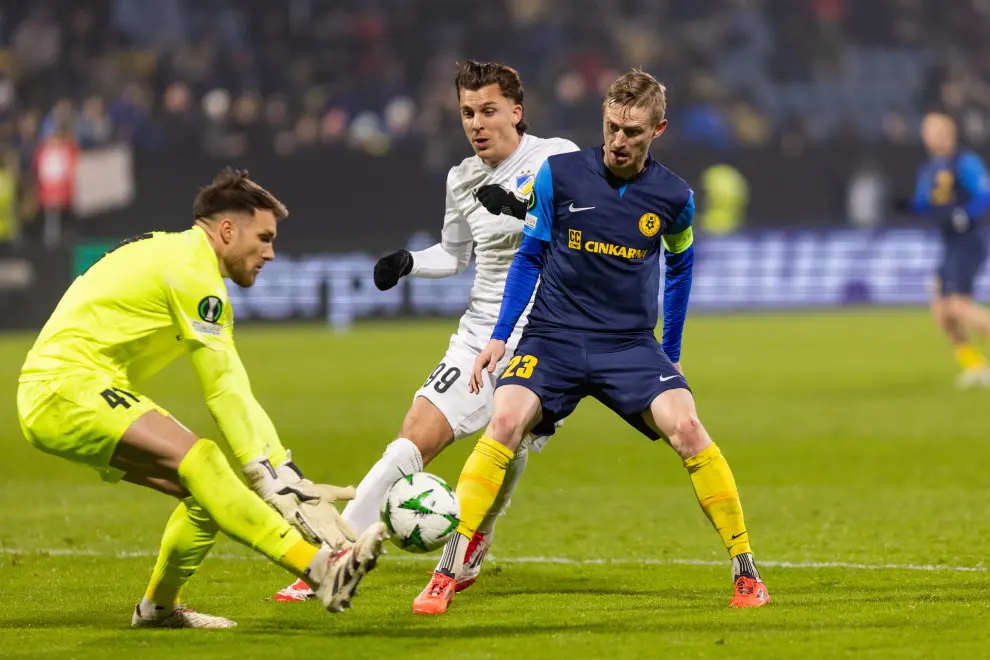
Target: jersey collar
x: 514, y: 156
x: 204, y: 241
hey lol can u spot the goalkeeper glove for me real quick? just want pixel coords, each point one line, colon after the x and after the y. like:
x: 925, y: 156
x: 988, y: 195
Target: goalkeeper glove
x: 498, y: 200
x: 390, y: 269
x: 307, y: 506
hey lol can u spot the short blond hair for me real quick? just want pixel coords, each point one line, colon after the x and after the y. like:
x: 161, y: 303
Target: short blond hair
x: 638, y: 89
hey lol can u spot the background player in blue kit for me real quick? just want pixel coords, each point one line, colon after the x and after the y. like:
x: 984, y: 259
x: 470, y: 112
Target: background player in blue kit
x: 593, y: 238
x: 954, y: 189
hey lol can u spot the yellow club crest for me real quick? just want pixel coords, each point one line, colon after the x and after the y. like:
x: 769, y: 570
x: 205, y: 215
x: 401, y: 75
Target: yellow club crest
x: 649, y: 224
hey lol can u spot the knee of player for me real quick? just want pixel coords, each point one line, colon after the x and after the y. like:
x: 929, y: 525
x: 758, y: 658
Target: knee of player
x: 506, y: 427
x: 429, y: 444
x: 689, y: 436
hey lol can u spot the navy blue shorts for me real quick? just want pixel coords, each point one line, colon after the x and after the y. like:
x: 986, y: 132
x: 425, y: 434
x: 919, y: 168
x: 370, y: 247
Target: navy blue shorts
x: 959, y: 268
x: 624, y: 372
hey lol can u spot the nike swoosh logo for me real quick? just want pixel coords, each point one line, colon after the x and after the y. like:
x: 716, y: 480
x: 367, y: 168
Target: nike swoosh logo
x: 575, y: 209
x: 664, y: 379
x: 735, y: 536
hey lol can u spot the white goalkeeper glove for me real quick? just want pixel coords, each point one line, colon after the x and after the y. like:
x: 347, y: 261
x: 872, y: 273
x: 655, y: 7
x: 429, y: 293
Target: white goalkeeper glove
x: 307, y: 506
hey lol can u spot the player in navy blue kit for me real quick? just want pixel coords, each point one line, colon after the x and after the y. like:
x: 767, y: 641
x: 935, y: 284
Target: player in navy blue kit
x: 598, y: 223
x: 953, y: 189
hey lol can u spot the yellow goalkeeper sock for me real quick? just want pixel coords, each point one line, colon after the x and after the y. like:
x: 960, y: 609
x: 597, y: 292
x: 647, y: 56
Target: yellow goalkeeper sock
x: 969, y: 358
x: 719, y: 499
x: 189, y: 535
x: 480, y: 482
x: 239, y: 512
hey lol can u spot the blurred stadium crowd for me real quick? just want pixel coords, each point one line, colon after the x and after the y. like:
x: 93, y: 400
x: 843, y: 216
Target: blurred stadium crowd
x: 228, y: 78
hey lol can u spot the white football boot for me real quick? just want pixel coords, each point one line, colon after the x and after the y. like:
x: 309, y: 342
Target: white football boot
x: 180, y: 617
x: 474, y: 556
x: 972, y: 378
x: 343, y: 571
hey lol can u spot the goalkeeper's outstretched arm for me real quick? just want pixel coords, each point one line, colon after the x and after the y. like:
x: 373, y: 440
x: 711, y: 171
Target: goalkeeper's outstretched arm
x: 206, y: 325
x: 267, y: 465
x: 244, y: 423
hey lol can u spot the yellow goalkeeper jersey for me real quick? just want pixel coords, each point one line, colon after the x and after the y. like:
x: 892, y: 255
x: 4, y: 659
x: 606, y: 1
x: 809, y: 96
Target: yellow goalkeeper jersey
x: 147, y: 301
x: 130, y: 312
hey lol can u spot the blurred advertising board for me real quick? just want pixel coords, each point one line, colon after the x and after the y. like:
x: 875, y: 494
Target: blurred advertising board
x: 756, y: 270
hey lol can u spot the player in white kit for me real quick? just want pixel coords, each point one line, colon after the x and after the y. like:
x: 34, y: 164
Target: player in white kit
x: 501, y: 173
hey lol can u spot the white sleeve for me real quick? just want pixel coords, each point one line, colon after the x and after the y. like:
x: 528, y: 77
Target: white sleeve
x: 436, y: 262
x: 453, y: 253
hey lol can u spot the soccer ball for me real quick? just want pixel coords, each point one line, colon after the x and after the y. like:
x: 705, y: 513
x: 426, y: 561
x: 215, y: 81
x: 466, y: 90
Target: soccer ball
x: 421, y: 512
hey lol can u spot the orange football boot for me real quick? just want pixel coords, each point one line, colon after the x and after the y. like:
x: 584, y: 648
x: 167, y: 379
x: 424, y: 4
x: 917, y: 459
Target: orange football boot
x: 749, y: 593
x: 297, y: 592
x: 437, y: 595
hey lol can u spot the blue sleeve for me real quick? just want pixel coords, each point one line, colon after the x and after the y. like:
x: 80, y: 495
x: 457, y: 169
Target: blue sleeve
x: 923, y: 190
x: 677, y: 286
x: 519, y: 286
x: 974, y: 178
x: 539, y: 217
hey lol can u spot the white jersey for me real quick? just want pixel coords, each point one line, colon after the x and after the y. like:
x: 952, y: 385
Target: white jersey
x: 496, y: 237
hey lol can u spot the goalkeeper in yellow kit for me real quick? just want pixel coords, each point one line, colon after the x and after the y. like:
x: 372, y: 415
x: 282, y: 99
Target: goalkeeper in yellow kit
x: 146, y: 302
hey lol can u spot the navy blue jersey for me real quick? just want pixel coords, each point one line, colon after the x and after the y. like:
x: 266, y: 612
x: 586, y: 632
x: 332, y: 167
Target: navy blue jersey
x: 604, y: 241
x: 955, y: 192
x: 596, y: 241
x: 948, y: 184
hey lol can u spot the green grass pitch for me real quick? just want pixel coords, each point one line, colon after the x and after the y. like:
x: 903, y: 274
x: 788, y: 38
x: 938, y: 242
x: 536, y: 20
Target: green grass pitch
x: 858, y: 464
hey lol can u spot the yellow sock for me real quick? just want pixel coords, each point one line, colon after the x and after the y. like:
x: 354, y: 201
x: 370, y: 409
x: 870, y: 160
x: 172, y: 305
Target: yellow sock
x: 298, y: 558
x: 719, y: 499
x: 189, y: 535
x: 480, y: 482
x: 969, y: 357
x: 238, y: 511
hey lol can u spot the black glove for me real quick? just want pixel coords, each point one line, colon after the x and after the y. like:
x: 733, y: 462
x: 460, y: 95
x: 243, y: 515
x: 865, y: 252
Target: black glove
x: 498, y: 200
x: 391, y: 268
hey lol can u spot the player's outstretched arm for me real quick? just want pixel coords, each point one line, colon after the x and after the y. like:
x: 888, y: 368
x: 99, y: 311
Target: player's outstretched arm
x: 201, y: 313
x: 448, y: 257
x: 678, y: 242
x: 250, y: 433
x: 520, y: 283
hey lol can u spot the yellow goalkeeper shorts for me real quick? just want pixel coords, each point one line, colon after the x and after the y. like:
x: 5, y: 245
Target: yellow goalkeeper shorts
x: 80, y: 418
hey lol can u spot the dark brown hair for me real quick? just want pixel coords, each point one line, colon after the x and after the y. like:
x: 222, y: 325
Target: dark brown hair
x: 638, y: 89
x: 233, y: 192
x: 473, y: 75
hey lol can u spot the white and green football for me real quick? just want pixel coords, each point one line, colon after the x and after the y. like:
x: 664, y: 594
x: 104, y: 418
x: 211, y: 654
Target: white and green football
x: 421, y: 512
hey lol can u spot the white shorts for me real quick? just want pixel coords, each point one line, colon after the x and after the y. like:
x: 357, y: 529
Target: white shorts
x: 447, y: 389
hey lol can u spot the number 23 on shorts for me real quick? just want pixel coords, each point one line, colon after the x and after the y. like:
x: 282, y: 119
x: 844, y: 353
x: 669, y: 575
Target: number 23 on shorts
x: 521, y: 366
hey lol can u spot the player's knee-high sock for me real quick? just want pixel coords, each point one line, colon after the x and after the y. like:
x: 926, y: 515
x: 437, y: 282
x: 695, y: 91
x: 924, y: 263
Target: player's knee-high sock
x: 513, y: 474
x: 477, y: 489
x: 968, y: 357
x: 719, y: 498
x: 401, y: 457
x: 480, y: 481
x: 239, y: 512
x: 189, y: 535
